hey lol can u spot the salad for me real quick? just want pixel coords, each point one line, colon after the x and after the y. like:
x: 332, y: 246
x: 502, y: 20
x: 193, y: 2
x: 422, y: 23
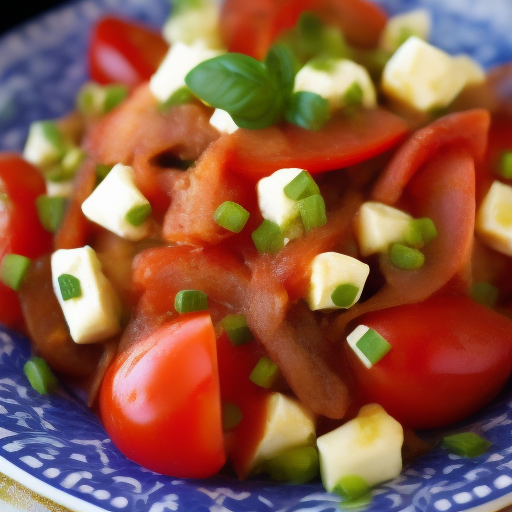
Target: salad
x: 276, y: 246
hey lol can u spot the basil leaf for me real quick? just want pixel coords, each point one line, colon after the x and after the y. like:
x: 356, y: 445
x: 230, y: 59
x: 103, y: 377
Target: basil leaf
x: 307, y: 110
x: 283, y: 66
x: 238, y: 84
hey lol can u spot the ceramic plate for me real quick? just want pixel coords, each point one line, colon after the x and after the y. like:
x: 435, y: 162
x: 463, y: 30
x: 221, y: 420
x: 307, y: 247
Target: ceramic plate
x: 58, y: 448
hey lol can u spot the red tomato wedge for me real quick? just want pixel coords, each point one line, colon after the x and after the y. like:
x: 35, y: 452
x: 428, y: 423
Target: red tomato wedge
x: 124, y: 52
x: 449, y: 357
x: 343, y: 141
x: 160, y: 400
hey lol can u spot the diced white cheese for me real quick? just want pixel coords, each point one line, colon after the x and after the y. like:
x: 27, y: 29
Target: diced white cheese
x: 494, y: 218
x: 470, y: 68
x: 59, y: 188
x: 223, y: 122
x: 331, y: 78
x: 200, y: 20
x: 42, y: 148
x: 416, y: 22
x: 94, y: 316
x: 422, y: 76
x: 368, y: 446
x: 112, y: 199
x: 328, y: 271
x: 379, y: 225
x: 179, y: 60
x: 288, y: 424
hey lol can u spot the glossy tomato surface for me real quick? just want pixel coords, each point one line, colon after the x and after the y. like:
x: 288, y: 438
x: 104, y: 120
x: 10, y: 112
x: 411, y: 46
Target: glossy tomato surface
x: 160, y: 400
x: 449, y: 357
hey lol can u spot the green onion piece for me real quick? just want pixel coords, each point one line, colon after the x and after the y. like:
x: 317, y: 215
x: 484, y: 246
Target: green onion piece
x: 312, y: 212
x: 466, y: 444
x: 344, y: 295
x: 264, y: 373
x: 187, y: 301
x: 302, y: 186
x: 505, y: 165
x: 406, y: 258
x: 13, y: 270
x: 268, y: 237
x: 50, y: 211
x: 69, y: 287
x: 137, y: 215
x: 231, y: 415
x: 484, y: 293
x: 358, y: 503
x: 71, y: 161
x: 40, y: 375
x: 114, y: 96
x: 180, y: 97
x: 353, y: 95
x: 295, y: 466
x: 53, y: 135
x: 308, y: 110
x: 237, y: 329
x: 102, y: 171
x: 231, y: 216
x: 405, y: 33
x: 420, y: 232
x: 373, y: 346
x: 351, y: 487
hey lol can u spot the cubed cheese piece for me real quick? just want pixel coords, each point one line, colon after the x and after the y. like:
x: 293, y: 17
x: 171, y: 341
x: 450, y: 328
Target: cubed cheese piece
x: 45, y: 144
x: 378, y: 225
x: 399, y: 27
x: 195, y: 20
x: 288, y: 424
x: 368, y: 446
x: 494, y: 218
x: 223, y: 122
x: 111, y: 201
x: 94, y: 315
x: 330, y: 270
x: 331, y: 78
x: 179, y: 60
x: 471, y: 69
x: 422, y: 76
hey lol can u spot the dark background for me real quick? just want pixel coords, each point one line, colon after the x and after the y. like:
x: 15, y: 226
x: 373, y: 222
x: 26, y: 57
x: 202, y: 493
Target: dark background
x: 14, y: 15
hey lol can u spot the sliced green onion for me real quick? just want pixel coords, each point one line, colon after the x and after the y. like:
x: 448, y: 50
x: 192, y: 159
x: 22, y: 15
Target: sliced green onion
x: 71, y: 161
x: 231, y: 216
x: 53, y: 135
x: 353, y: 95
x: 102, y: 171
x: 351, y: 487
x: 237, y: 329
x: 505, y: 165
x: 13, y: 270
x: 406, y: 258
x: 264, y: 373
x: 312, y: 212
x: 308, y: 110
x: 70, y: 287
x: 40, y: 375
x: 373, y: 346
x: 420, y: 232
x: 137, y: 215
x: 302, y: 186
x: 114, y: 95
x: 187, y: 301
x: 466, y: 444
x: 344, y: 295
x: 295, y: 466
x: 231, y: 415
x: 405, y: 33
x: 268, y: 237
x: 179, y: 97
x: 51, y: 211
x: 484, y: 293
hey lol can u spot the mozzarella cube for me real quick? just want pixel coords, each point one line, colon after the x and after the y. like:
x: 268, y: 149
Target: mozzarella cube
x: 45, y: 144
x: 331, y: 78
x: 179, y: 60
x: 378, y: 225
x: 368, y: 446
x: 422, y: 76
x: 471, y: 69
x: 94, y: 315
x: 111, y: 201
x: 223, y: 122
x: 288, y: 424
x: 416, y: 22
x: 494, y: 218
x: 330, y: 270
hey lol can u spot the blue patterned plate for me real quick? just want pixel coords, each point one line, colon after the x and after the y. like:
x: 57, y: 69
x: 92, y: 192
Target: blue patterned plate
x: 58, y: 448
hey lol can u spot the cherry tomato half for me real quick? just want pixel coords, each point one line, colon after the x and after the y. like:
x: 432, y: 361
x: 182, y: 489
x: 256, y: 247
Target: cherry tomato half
x: 449, y: 357
x: 160, y: 400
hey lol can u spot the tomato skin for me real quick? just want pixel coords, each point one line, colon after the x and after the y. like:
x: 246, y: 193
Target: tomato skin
x: 160, y: 400
x: 449, y: 357
x: 124, y: 52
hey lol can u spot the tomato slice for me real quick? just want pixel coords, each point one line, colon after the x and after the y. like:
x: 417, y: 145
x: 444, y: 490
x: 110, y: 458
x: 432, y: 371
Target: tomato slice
x: 160, y: 400
x: 124, y: 52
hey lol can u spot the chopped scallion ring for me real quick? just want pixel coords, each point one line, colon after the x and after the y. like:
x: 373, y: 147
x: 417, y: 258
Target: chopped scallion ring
x: 406, y: 258
x: 264, y: 373
x: 114, y: 95
x: 13, y: 270
x: 53, y: 135
x: 302, y: 186
x: 50, y: 211
x: 40, y: 375
x: 373, y: 346
x: 137, y: 215
x: 466, y: 444
x: 351, y: 487
x: 295, y: 466
x: 231, y: 216
x: 420, y: 232
x: 344, y: 295
x: 505, y: 165
x: 312, y: 212
x: 101, y: 172
x: 231, y: 415
x: 188, y: 301
x: 353, y: 95
x: 268, y: 237
x: 237, y: 329
x: 484, y: 293
x: 179, y: 97
x: 70, y: 287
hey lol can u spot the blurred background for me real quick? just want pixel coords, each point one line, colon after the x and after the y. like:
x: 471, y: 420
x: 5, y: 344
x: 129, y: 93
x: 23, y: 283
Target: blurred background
x: 15, y: 15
